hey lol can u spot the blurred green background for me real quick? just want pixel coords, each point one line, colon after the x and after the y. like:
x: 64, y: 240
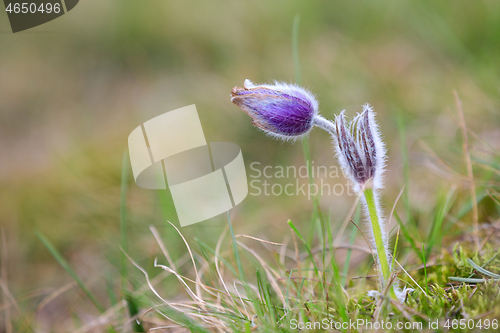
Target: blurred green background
x: 74, y: 88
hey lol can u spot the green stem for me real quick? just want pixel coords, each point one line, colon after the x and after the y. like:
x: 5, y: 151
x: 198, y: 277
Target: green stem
x: 377, y: 234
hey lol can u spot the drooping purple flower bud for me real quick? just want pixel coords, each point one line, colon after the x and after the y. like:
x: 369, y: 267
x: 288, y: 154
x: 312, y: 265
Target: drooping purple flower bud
x: 281, y: 110
x: 360, y: 150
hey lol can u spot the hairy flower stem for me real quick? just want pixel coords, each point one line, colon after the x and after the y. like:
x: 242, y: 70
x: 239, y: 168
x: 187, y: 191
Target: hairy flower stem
x: 379, y: 237
x: 324, y: 124
x: 377, y: 233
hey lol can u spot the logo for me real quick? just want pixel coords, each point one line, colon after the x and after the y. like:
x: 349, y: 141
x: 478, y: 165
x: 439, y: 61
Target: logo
x: 205, y: 179
x: 26, y: 14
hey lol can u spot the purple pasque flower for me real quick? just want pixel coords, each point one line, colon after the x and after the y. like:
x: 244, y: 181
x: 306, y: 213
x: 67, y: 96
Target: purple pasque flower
x: 360, y: 150
x: 282, y: 110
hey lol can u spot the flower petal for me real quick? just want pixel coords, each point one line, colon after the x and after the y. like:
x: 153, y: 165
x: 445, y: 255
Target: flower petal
x: 279, y: 109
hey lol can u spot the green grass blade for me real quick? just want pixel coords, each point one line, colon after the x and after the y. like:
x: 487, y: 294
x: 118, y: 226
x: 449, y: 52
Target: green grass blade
x: 133, y: 310
x: 470, y: 280
x: 316, y: 270
x: 436, y: 234
x: 464, y: 210
x: 408, y: 236
x: 110, y: 290
x: 395, y: 252
x: 64, y: 264
x: 425, y: 270
x: 267, y: 301
x: 339, y: 299
x: 468, y: 207
x: 301, y: 286
x: 345, y: 271
x: 241, y: 272
x: 288, y: 289
x: 123, y: 219
x: 482, y: 270
x: 236, y: 253
x: 224, y: 261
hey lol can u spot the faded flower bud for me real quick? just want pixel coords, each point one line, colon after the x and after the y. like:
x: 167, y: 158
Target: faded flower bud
x: 360, y: 150
x: 282, y: 110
